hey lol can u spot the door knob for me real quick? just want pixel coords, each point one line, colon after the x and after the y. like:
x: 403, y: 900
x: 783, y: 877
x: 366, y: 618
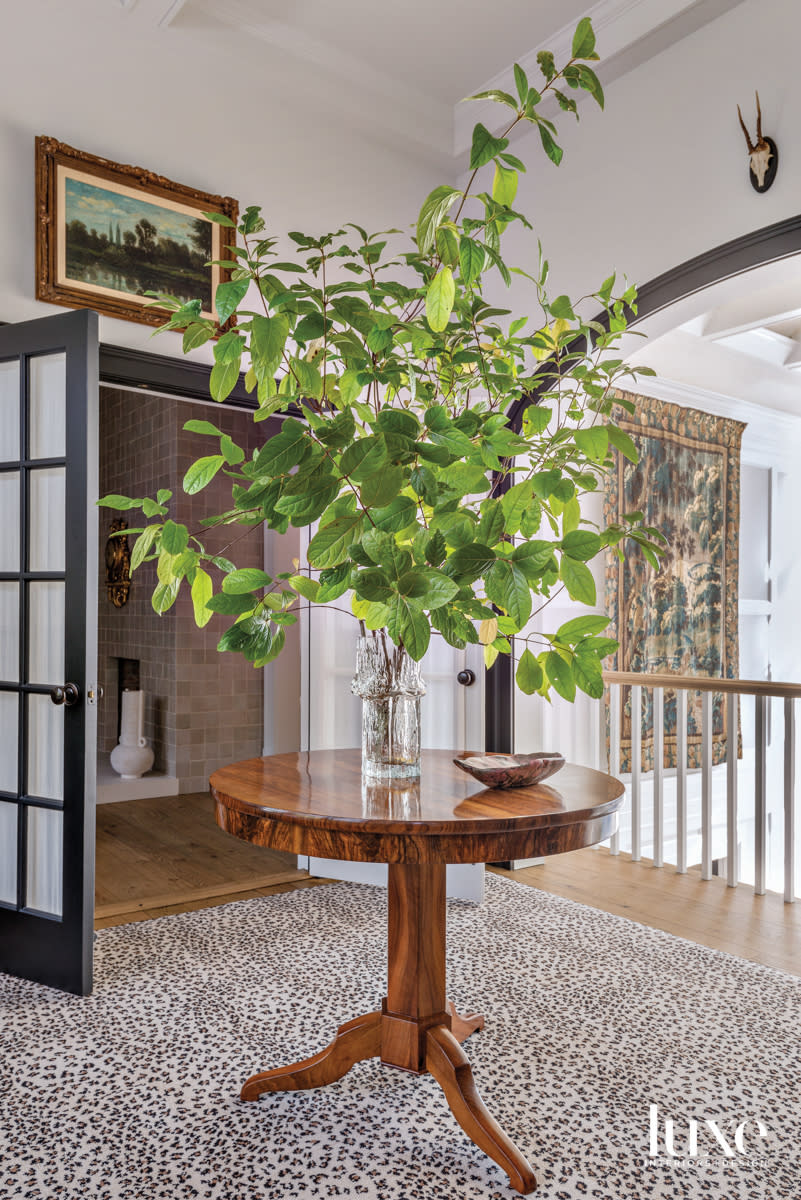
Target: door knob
x: 68, y: 694
x: 466, y: 677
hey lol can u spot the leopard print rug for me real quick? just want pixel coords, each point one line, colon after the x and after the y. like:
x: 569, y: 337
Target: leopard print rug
x: 131, y: 1093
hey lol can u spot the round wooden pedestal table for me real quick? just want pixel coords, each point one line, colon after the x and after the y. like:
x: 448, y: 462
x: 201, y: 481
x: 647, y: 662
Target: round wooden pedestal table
x: 317, y: 803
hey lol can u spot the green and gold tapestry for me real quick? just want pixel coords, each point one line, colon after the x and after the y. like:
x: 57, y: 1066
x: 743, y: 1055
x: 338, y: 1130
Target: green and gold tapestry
x: 681, y: 619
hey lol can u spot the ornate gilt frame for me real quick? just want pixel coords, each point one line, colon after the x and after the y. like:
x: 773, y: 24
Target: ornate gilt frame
x: 50, y: 155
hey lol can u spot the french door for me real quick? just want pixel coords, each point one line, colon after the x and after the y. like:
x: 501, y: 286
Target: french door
x: 48, y: 634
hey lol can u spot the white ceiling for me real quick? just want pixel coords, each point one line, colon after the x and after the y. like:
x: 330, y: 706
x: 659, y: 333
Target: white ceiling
x: 737, y: 346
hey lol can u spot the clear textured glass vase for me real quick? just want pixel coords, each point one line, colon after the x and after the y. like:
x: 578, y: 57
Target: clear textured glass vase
x: 389, y: 683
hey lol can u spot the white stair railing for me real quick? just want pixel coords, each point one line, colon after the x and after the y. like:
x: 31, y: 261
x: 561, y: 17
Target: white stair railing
x: 703, y: 813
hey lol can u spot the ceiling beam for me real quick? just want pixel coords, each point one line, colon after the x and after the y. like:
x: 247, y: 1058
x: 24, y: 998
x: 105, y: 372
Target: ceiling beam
x: 768, y: 306
x: 629, y: 33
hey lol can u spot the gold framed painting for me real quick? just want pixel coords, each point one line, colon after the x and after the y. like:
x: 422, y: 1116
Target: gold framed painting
x: 107, y: 234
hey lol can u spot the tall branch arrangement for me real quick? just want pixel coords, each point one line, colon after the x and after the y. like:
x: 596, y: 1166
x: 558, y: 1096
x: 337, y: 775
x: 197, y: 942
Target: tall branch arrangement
x: 432, y: 513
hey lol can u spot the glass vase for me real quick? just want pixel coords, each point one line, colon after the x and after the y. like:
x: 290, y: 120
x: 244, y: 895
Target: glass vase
x: 389, y: 683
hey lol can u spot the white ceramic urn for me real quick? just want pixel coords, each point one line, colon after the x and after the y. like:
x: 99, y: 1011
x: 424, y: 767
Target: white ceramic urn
x: 133, y: 755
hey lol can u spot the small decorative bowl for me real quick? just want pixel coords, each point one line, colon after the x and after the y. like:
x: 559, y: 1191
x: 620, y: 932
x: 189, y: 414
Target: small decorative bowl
x: 512, y: 770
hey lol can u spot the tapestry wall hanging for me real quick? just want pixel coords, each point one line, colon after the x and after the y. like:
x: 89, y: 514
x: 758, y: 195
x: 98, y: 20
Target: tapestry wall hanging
x: 682, y: 619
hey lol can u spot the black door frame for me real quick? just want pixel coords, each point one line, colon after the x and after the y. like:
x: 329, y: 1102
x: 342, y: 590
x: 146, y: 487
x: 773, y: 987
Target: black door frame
x: 58, y: 950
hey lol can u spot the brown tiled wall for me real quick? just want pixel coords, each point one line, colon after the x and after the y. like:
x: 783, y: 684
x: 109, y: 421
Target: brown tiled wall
x: 203, y: 708
x: 137, y: 455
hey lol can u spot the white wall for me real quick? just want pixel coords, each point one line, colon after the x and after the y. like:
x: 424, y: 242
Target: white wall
x: 208, y: 109
x: 662, y: 174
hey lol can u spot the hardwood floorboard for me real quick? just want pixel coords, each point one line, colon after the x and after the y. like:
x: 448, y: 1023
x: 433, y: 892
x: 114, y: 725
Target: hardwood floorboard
x: 762, y: 929
x: 157, y: 853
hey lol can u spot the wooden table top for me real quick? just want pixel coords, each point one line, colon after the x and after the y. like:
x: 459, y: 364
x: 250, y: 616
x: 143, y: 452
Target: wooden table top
x: 317, y: 803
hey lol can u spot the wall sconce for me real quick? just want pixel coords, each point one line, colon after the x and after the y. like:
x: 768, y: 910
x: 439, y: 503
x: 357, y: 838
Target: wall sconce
x: 118, y: 564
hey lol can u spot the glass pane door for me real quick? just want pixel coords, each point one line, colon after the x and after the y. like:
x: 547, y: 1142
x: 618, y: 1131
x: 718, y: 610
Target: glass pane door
x: 48, y: 389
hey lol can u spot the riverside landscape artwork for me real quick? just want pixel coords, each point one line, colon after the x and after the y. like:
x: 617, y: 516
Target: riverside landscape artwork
x: 122, y: 242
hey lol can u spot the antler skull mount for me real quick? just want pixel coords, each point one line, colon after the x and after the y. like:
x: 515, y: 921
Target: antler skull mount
x: 763, y: 154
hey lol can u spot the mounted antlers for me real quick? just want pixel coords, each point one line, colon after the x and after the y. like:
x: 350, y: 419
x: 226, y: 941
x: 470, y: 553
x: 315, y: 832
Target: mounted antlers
x: 760, y: 152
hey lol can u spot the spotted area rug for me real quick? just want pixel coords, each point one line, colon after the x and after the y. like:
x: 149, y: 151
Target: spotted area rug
x: 599, y: 1032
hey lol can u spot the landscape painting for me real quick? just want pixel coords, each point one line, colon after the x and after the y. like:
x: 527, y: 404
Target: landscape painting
x: 109, y: 234
x: 119, y: 241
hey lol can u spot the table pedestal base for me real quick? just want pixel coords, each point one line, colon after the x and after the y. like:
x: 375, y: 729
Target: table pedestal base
x: 417, y: 1030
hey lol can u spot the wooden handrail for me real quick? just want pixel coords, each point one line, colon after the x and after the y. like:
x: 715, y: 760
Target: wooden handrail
x: 706, y: 683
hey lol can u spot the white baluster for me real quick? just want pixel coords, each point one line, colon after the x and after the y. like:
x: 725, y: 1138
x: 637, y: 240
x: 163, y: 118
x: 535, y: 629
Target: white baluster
x: 681, y: 781
x: 732, y: 709
x: 614, y: 750
x: 789, y: 800
x: 636, y: 772
x: 760, y: 792
x: 659, y: 776
x: 706, y: 785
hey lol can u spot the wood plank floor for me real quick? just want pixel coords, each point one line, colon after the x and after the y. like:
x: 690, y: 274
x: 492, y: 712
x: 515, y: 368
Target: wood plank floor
x: 761, y: 928
x: 138, y: 880
x: 164, y: 852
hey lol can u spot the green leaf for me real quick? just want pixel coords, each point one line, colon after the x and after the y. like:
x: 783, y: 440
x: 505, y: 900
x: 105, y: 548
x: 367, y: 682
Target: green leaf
x: 560, y: 674
x: 581, y: 544
x: 491, y: 526
x: 408, y: 625
x: 521, y: 83
x: 310, y: 327
x: 284, y: 450
x: 306, y: 587
x: 592, y: 84
x: 471, y: 260
x: 447, y: 243
x: 330, y: 545
x: 622, y: 442
x: 395, y: 517
x: 435, y: 206
x: 202, y: 427
x: 232, y: 606
x: 588, y: 674
x: 439, y: 299
x: 121, y: 503
x: 201, y: 594
x: 142, y: 545
x: 514, y: 504
x: 496, y: 95
x: 580, y: 627
x: 373, y: 585
x: 533, y: 558
x: 309, y: 380
x: 196, y: 335
x: 364, y: 457
x: 431, y: 587
x: 507, y: 586
x: 245, y: 579
x: 228, y: 297
x: 201, y: 473
x: 504, y: 185
x: 267, y: 340
x: 174, y: 538
x: 577, y: 578
x: 220, y: 219
x: 583, y: 39
x: 381, y: 488
x: 232, y: 453
x: 594, y: 442
x: 562, y: 309
x: 529, y: 675
x: 485, y: 146
x: 165, y: 595
x: 223, y: 379
x: 550, y: 147
x: 334, y: 583
x: 470, y: 562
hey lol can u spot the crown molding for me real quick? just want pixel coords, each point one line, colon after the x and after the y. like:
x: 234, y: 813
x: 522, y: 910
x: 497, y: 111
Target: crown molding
x: 771, y: 438
x: 628, y: 33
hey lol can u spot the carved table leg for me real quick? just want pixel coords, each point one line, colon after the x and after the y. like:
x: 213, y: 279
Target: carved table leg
x: 355, y: 1041
x: 448, y: 1063
x: 463, y: 1024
